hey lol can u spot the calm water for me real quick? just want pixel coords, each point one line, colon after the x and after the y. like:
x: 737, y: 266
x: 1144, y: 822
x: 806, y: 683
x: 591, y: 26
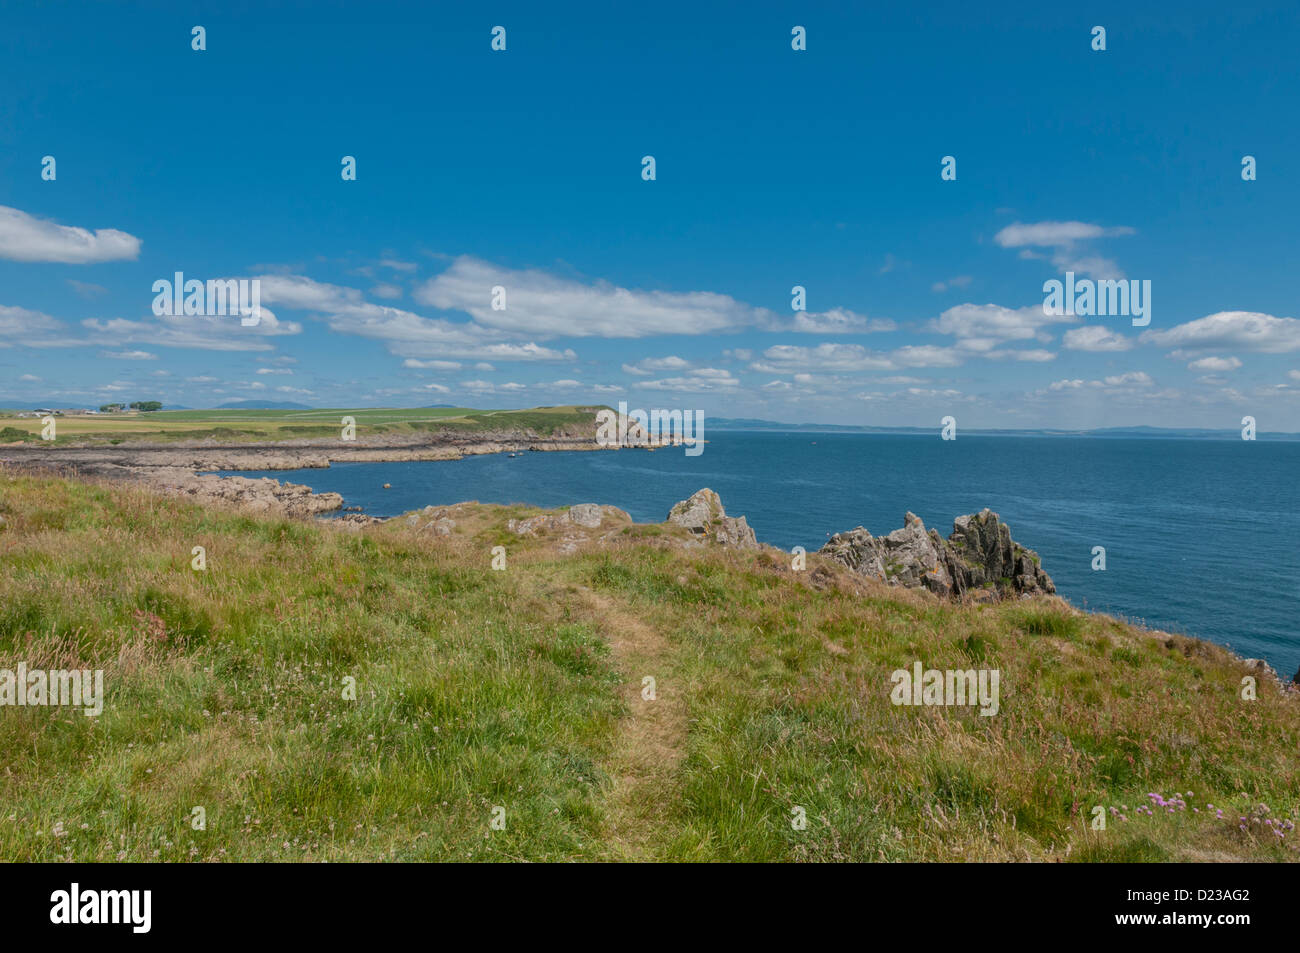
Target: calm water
x: 1201, y: 536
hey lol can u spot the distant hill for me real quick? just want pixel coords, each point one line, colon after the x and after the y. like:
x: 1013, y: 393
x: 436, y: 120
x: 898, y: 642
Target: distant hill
x: 261, y: 405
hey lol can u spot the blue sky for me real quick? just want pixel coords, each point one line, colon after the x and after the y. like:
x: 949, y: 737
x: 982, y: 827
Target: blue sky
x: 774, y: 168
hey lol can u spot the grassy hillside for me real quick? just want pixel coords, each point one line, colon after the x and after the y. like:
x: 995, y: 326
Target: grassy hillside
x: 241, y: 426
x: 522, y: 689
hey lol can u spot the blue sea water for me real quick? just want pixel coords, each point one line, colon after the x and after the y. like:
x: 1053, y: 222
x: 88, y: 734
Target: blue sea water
x: 1201, y: 536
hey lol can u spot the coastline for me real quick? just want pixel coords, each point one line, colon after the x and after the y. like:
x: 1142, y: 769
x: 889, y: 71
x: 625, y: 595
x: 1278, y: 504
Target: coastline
x: 177, y: 469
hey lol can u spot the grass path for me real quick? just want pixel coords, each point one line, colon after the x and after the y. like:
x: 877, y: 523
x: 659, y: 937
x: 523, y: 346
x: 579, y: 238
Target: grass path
x: 652, y: 735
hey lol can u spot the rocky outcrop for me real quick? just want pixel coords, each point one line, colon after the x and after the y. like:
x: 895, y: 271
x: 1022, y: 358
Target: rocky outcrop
x: 585, y: 515
x: 257, y: 495
x: 704, y: 516
x: 979, y: 559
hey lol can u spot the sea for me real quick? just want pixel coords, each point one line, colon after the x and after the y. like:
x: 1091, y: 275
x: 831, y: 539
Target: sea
x: 1201, y: 537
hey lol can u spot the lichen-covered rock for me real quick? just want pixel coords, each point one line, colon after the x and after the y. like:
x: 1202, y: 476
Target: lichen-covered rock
x: 586, y: 515
x: 704, y: 516
x: 979, y: 558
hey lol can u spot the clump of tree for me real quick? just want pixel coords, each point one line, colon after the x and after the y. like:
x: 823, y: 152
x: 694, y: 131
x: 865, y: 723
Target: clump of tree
x: 110, y: 408
x: 146, y: 405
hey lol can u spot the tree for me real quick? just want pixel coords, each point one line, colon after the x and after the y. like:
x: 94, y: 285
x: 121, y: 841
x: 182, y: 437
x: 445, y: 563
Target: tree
x: 110, y: 408
x: 146, y: 405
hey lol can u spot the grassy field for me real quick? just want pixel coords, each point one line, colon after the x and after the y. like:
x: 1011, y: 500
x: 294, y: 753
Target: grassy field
x: 521, y: 690
x: 254, y: 425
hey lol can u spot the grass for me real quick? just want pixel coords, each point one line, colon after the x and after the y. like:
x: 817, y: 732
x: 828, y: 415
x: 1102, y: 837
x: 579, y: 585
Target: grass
x: 522, y: 689
x: 174, y: 426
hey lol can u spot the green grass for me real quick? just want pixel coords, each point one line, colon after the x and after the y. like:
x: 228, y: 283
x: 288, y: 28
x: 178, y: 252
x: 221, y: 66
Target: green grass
x: 519, y: 689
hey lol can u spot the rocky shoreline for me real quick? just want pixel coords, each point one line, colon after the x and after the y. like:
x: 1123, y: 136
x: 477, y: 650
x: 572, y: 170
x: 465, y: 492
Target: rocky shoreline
x: 178, y: 469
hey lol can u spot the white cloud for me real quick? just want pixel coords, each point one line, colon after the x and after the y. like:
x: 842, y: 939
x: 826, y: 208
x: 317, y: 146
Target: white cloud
x: 781, y: 358
x: 190, y: 331
x: 838, y: 321
x: 1215, y: 364
x: 403, y: 333
x: 649, y: 366
x: 487, y: 387
x: 996, y: 323
x: 1117, y: 383
x: 29, y: 327
x: 26, y: 238
x: 274, y: 370
x: 1064, y: 238
x: 546, y: 306
x: 703, y: 380
x: 433, y: 365
x: 1096, y: 337
x: 129, y: 355
x: 1235, y: 330
x: 543, y: 305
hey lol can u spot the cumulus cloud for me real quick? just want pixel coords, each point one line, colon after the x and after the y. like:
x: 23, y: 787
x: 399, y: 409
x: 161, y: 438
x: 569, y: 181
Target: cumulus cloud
x: 1215, y: 364
x: 433, y: 365
x: 26, y: 238
x: 1236, y: 330
x: 649, y: 366
x: 1116, y: 383
x: 29, y: 327
x: 488, y: 387
x: 1063, y: 241
x: 992, y: 322
x: 404, y: 333
x: 190, y: 331
x: 546, y: 306
x: 837, y: 321
x: 781, y: 358
x: 698, y: 381
x: 1096, y: 337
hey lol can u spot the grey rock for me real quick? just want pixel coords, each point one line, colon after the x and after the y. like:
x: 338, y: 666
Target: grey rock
x: 979, y: 558
x: 586, y: 514
x: 705, y: 517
